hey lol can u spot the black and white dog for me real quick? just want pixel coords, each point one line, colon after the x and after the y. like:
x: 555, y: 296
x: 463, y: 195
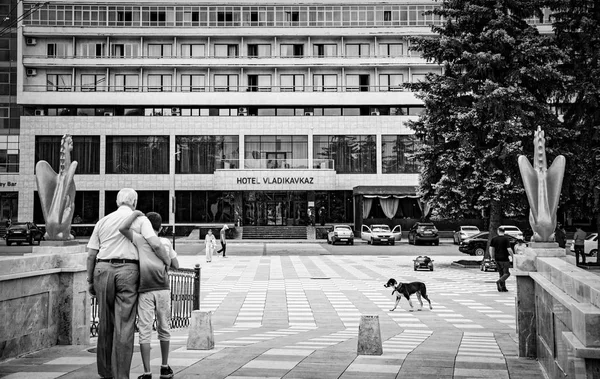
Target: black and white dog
x: 407, y: 289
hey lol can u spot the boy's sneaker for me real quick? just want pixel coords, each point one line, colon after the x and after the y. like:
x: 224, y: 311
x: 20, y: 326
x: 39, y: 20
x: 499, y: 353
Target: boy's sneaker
x: 145, y: 376
x: 166, y: 372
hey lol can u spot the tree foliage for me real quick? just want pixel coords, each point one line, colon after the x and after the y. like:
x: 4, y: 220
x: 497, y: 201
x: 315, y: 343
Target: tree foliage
x: 577, y: 29
x: 498, y: 73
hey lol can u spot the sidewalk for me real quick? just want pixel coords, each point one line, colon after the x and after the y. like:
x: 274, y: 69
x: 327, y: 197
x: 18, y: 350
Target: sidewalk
x: 272, y: 319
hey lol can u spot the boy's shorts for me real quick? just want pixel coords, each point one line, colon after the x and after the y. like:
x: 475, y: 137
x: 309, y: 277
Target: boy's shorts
x: 148, y: 303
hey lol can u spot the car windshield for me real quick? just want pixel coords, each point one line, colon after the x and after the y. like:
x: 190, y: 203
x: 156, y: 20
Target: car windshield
x: 424, y: 227
x: 470, y: 229
x: 18, y: 226
x: 381, y: 228
x: 591, y: 236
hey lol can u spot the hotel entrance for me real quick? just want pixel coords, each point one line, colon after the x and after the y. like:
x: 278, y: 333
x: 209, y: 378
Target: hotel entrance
x: 277, y: 208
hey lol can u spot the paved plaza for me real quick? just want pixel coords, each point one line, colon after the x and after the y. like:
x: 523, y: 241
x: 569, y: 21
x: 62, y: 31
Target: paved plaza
x: 297, y: 316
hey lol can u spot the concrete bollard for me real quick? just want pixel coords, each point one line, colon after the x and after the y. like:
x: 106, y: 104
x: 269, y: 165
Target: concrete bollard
x: 369, y: 336
x: 201, y: 336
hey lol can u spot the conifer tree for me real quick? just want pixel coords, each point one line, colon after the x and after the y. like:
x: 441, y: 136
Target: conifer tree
x: 498, y: 74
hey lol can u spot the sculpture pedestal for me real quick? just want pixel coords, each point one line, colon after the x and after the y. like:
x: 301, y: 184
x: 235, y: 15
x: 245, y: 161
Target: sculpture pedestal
x: 525, y: 263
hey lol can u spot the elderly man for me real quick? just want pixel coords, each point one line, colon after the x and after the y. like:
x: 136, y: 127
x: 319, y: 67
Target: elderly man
x: 113, y: 277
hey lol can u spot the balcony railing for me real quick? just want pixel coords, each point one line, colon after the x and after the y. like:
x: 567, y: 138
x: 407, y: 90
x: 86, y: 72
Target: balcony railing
x: 213, y: 88
x: 276, y: 164
x: 203, y: 57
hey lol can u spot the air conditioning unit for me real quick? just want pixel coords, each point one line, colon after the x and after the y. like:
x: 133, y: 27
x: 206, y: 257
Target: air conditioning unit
x: 30, y: 41
x: 175, y: 111
x: 375, y: 112
x: 108, y: 113
x: 39, y: 112
x: 309, y: 113
x: 31, y: 72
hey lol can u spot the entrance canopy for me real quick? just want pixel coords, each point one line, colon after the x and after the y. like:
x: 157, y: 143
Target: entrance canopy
x: 399, y: 192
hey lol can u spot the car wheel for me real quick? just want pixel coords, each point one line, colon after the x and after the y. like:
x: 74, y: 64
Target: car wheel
x: 352, y: 242
x: 480, y: 251
x: 430, y: 268
x: 393, y: 243
x: 415, y: 268
x: 481, y: 267
x: 437, y: 243
x: 8, y: 243
x: 333, y: 242
x: 19, y: 243
x: 594, y: 253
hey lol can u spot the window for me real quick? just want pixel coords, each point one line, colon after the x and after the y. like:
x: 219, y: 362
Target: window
x: 357, y: 83
x: 192, y: 50
x: 192, y: 83
x: 322, y: 50
x: 137, y: 154
x: 260, y: 83
x: 57, y: 50
x: 325, y: 83
x: 357, y: 50
x: 390, y: 50
x: 276, y: 152
x: 226, y: 83
x: 9, y: 153
x: 296, y: 50
x: 93, y: 82
x: 418, y: 77
x: 292, y: 17
x: 91, y: 50
x: 257, y: 51
x: 226, y: 50
x: 391, y: 82
x: 225, y: 18
x: 387, y: 16
x: 292, y: 83
x: 191, y: 17
x: 158, y: 18
x: 148, y: 201
x: 125, y: 50
x: 397, y: 154
x: 159, y: 83
x: 351, y: 154
x: 58, y: 82
x: 159, y: 50
x: 86, y: 151
x: 127, y: 83
x: 204, y: 154
x: 125, y: 16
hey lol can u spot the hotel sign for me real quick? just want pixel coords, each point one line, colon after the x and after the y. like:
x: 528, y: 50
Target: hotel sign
x: 276, y: 180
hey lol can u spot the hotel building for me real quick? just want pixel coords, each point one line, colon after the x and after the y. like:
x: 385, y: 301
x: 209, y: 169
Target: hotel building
x: 239, y: 112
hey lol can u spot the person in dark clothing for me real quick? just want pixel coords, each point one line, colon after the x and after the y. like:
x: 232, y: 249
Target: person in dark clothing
x: 560, y: 235
x: 499, y: 250
x: 322, y: 215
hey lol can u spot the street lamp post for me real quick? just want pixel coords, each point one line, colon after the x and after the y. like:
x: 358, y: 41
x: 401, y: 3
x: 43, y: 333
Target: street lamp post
x: 177, y: 156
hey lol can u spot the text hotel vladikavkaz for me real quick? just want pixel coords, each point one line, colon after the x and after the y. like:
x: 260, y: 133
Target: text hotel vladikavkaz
x: 276, y: 180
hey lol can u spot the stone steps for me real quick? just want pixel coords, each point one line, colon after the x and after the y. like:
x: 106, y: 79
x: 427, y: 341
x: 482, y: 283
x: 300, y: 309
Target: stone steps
x: 274, y: 232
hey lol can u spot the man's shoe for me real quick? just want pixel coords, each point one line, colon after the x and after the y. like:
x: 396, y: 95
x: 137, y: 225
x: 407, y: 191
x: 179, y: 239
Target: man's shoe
x: 499, y: 286
x: 166, y: 372
x: 145, y: 376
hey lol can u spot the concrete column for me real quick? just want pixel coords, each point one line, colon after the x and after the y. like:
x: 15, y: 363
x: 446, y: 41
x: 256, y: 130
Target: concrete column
x: 526, y: 316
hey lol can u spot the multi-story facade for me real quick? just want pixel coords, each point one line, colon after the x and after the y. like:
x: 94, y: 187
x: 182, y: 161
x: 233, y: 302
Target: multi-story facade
x: 258, y: 113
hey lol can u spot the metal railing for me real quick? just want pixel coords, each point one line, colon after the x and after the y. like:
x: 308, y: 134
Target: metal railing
x: 238, y: 56
x: 185, y: 297
x: 212, y: 88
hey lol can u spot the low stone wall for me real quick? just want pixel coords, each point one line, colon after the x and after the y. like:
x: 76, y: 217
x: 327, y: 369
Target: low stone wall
x: 44, y: 300
x: 558, y: 317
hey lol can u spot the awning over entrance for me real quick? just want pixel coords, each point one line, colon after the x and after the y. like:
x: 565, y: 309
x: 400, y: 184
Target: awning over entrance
x: 396, y: 191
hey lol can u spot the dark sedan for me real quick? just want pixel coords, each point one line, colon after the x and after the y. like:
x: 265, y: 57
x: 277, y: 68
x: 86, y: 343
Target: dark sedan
x: 476, y: 244
x: 20, y: 232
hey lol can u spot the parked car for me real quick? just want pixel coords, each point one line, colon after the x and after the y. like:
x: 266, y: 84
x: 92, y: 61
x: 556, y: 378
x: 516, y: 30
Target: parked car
x: 380, y: 234
x: 464, y: 232
x: 590, y: 245
x: 423, y: 232
x: 340, y: 233
x: 477, y: 244
x: 20, y: 232
x: 514, y: 231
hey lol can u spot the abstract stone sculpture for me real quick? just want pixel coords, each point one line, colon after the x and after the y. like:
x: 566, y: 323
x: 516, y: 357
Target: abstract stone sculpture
x: 57, y: 192
x: 542, y: 186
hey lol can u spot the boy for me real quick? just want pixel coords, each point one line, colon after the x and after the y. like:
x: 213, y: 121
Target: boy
x: 154, y: 292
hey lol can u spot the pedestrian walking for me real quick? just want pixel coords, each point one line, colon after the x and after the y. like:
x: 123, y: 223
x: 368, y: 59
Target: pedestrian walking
x: 113, y: 277
x: 560, y: 235
x: 579, y: 243
x: 210, y: 244
x: 223, y: 241
x: 499, y: 251
x: 154, y: 292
